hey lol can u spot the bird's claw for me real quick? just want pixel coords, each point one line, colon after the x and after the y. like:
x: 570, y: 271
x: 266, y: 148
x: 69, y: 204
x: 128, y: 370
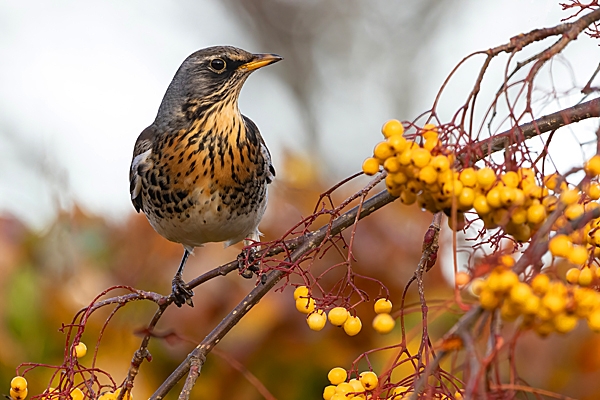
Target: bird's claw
x: 181, y: 294
x: 248, y: 254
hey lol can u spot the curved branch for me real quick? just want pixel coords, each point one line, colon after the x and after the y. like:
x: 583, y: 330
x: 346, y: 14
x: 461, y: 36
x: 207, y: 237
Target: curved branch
x: 309, y: 242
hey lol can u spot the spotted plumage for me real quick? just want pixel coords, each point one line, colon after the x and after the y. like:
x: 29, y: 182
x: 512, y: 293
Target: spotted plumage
x: 200, y: 171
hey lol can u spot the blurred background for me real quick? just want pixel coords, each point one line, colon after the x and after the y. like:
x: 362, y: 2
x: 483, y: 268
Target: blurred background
x: 80, y: 80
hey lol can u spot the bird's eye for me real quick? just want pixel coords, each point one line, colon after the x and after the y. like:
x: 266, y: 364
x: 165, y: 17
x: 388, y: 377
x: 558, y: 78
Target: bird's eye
x: 217, y: 65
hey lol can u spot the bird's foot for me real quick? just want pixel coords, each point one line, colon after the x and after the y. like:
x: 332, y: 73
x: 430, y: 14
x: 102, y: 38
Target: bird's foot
x: 182, y: 295
x: 249, y: 256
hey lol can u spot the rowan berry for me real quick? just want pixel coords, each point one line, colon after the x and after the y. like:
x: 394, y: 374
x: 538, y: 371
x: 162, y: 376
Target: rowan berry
x: 383, y: 323
x: 337, y: 316
x: 382, y: 306
x: 352, y: 326
x: 316, y: 320
x: 337, y: 375
x: 392, y: 127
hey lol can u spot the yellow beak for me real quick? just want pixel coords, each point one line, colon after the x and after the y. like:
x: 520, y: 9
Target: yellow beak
x: 260, y: 60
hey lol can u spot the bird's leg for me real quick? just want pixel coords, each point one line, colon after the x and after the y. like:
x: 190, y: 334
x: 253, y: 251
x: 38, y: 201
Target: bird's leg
x: 181, y: 293
x: 248, y: 254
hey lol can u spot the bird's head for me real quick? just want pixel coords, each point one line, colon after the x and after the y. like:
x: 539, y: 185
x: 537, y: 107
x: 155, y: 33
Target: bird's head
x: 212, y: 75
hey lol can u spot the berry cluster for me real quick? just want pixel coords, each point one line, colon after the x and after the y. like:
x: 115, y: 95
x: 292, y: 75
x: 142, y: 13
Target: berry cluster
x: 545, y: 305
x: 340, y: 316
x: 512, y: 199
x: 357, y: 388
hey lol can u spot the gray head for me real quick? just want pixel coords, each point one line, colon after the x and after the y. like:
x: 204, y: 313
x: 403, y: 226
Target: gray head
x: 211, y: 75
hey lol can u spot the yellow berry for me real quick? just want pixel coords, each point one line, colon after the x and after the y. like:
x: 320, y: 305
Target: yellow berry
x: 382, y: 151
x: 560, y: 245
x: 382, y: 306
x: 578, y: 255
x: 493, y: 198
x: 573, y: 275
x: 107, y: 396
x: 344, y: 388
x: 593, y: 191
x: 18, y: 395
x: 486, y: 177
x: 305, y: 305
x: 18, y: 383
x: 518, y: 216
x: 466, y: 198
x: 508, y: 195
x: 369, y: 380
x: 540, y: 284
x: 337, y: 375
x: 405, y: 157
x: 468, y: 177
x: 574, y: 211
x: 428, y: 175
x: 569, y: 196
x: 398, y: 143
x: 328, y: 392
x: 80, y: 350
x: 510, y: 179
x: 520, y: 293
x: 301, y: 291
x: 77, y: 394
x: 536, y: 213
x: 337, y: 316
x: 554, y: 302
x: 488, y: 299
x: 564, y: 323
x: 481, y: 205
x: 316, y: 320
x: 452, y: 187
x: 408, y: 198
x: 551, y: 181
x: 370, y: 166
x: 586, y: 276
x: 392, y: 127
x: 392, y: 165
x: 440, y: 163
x: 592, y: 167
x: 531, y: 305
x: 594, y: 320
x: 502, y: 281
x: 352, y: 326
x: 430, y: 144
x: 383, y: 323
x: 357, y: 386
x: 420, y: 157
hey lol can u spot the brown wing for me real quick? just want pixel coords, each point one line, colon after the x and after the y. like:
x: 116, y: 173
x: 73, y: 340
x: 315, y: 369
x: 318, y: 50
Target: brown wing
x: 141, y: 151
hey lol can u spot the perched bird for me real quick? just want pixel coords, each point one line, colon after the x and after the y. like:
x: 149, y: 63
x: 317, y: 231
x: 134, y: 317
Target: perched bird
x: 200, y: 171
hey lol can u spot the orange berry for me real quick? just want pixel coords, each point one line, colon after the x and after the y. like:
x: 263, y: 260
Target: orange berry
x: 391, y: 165
x: 572, y: 275
x: 510, y: 179
x: 352, y: 326
x: 392, y: 127
x: 481, y: 205
x: 486, y: 177
x: 382, y: 306
x: 560, y: 245
x: 382, y: 151
x: 462, y: 278
x: 337, y: 316
x: 370, y: 166
x: 305, y: 305
x: 536, y: 213
x: 420, y: 157
x: 440, y: 163
x: 569, y: 196
x: 468, y: 177
x: 428, y: 175
x: 592, y: 166
x: 383, y: 323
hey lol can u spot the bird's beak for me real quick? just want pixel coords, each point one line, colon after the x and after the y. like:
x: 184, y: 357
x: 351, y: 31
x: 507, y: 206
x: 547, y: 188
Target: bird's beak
x: 259, y: 61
